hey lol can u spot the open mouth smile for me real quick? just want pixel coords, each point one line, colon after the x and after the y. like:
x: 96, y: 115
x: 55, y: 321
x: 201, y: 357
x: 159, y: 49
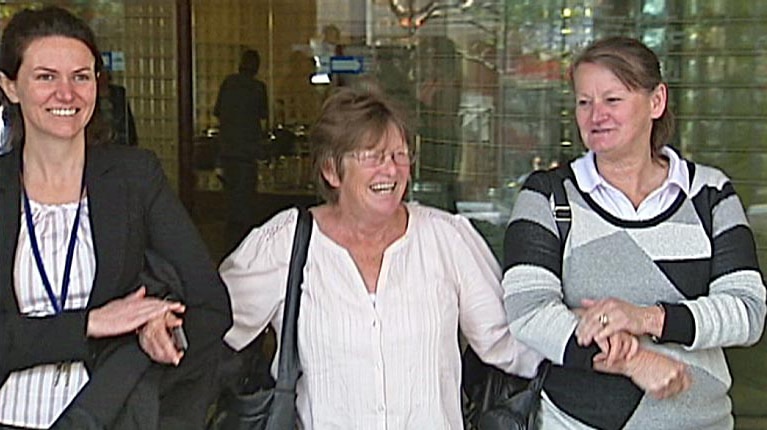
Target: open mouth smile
x: 63, y: 111
x: 383, y: 187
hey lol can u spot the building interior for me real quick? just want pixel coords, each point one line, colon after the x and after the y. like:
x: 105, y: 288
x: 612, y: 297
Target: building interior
x: 485, y: 81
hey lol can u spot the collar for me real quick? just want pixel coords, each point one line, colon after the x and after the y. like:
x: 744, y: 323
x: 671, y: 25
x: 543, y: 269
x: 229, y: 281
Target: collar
x: 588, y: 178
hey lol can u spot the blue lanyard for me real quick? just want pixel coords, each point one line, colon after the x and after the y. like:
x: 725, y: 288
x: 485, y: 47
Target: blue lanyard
x: 58, y: 308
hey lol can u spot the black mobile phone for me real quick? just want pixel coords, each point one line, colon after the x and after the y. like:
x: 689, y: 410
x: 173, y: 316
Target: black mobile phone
x: 179, y: 338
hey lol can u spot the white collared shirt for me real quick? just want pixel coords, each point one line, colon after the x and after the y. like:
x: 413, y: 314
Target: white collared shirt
x: 616, y: 203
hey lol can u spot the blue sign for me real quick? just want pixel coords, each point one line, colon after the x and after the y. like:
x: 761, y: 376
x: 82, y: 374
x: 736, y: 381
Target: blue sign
x: 346, y: 64
x: 106, y: 58
x: 113, y: 60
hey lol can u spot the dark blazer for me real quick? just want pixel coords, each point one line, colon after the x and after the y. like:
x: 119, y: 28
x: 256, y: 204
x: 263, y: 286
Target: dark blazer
x: 132, y: 209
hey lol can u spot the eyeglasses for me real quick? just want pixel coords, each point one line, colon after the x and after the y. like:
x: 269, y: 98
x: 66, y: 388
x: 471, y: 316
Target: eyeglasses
x: 376, y: 158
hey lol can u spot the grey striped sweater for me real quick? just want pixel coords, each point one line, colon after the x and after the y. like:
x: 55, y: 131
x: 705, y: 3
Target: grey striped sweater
x: 698, y: 258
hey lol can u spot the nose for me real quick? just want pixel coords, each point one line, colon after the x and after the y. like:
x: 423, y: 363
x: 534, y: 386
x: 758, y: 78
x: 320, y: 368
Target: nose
x: 65, y: 90
x: 598, y: 112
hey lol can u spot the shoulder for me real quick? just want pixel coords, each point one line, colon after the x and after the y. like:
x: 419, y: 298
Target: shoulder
x: 131, y: 160
x: 541, y: 181
x: 427, y: 215
x: 268, y: 245
x: 281, y: 224
x: 709, y: 186
x: 707, y: 177
x: 444, y: 224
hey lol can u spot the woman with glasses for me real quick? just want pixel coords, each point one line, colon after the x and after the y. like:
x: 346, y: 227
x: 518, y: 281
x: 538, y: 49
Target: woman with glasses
x: 386, y: 284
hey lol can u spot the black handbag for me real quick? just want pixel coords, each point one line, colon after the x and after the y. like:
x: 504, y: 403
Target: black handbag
x: 274, y: 408
x: 498, y: 400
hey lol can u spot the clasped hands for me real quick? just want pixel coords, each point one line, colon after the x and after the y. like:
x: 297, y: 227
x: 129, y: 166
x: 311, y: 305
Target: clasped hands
x: 151, y: 318
x: 615, y: 326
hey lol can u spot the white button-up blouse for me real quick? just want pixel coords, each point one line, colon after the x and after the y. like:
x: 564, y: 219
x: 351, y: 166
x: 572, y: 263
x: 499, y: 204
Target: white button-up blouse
x: 394, y: 364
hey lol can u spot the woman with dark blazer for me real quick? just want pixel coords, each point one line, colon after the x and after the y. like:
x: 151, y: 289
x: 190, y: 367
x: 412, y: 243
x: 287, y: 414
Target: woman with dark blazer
x: 86, y: 331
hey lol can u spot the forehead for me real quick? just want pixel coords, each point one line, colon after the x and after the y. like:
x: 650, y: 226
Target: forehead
x: 588, y: 76
x: 389, y: 137
x: 57, y: 52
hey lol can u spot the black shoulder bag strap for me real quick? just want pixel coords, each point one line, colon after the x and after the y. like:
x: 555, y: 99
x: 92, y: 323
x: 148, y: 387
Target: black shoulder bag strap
x: 562, y: 212
x: 283, y: 410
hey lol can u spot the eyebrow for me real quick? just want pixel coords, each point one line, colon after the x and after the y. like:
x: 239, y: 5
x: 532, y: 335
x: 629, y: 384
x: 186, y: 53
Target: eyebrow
x: 48, y: 69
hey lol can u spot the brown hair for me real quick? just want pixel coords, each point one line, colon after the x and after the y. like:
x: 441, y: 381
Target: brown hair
x: 350, y: 119
x: 638, y: 68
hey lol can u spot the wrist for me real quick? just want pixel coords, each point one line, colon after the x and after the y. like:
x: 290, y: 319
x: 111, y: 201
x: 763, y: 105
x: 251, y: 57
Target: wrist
x: 654, y: 320
x: 631, y: 366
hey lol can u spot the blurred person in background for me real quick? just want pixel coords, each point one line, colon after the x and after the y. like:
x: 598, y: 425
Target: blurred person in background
x: 242, y: 110
x: 116, y: 111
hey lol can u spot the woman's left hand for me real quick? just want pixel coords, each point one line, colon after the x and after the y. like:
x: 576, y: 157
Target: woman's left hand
x: 600, y: 319
x: 155, y: 339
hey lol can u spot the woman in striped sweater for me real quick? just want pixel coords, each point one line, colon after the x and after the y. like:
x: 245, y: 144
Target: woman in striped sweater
x: 658, y: 272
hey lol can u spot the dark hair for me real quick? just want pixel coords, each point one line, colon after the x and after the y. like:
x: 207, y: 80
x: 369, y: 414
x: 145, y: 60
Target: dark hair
x: 638, y: 68
x: 351, y: 119
x: 29, y: 25
x: 250, y: 62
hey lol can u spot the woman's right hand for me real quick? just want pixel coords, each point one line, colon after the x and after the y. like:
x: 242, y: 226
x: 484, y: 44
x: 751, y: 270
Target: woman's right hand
x: 658, y: 375
x: 127, y: 314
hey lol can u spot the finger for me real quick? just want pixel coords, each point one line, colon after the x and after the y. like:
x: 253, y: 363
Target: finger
x: 687, y: 381
x: 604, y: 346
x: 588, y: 328
x: 625, y: 348
x: 169, y: 352
x: 176, y: 307
x: 607, y: 331
x: 172, y: 321
x: 599, y: 358
x: 586, y: 334
x: 678, y: 382
x: 587, y: 303
x: 633, y: 349
x: 145, y: 313
x: 158, y: 345
x: 616, y: 350
x: 674, y: 387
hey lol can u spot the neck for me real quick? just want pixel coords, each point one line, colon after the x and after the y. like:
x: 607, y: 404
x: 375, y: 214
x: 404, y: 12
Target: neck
x: 636, y: 176
x: 53, y: 163
x: 364, y: 229
x: 625, y: 167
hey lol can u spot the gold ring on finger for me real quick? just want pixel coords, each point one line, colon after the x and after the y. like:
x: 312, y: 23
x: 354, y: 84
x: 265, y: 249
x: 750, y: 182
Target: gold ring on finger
x: 603, y: 320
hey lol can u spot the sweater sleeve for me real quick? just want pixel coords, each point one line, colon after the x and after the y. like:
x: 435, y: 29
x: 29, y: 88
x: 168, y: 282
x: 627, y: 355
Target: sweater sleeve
x: 733, y: 311
x: 532, y: 285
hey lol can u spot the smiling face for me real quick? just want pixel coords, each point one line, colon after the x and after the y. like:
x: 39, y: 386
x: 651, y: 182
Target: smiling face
x: 613, y: 119
x: 375, y: 192
x: 55, y: 88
